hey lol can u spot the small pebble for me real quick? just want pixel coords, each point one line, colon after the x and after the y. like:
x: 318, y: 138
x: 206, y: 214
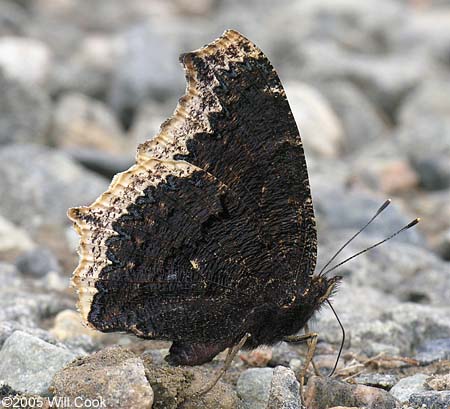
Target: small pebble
x: 253, y: 387
x: 323, y: 393
x: 409, y: 385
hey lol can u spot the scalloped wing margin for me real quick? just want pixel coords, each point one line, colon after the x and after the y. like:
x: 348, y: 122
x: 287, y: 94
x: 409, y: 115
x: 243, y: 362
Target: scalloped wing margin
x: 154, y: 161
x: 199, y: 101
x: 94, y: 223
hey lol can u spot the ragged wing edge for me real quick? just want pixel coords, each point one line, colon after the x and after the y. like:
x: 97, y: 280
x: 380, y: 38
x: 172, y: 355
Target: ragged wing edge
x: 154, y: 160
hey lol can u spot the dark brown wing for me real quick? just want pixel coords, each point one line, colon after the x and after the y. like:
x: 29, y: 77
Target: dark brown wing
x: 235, y: 122
x: 216, y: 216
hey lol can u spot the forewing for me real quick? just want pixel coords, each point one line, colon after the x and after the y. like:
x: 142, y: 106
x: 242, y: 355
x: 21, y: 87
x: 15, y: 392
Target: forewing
x: 235, y: 122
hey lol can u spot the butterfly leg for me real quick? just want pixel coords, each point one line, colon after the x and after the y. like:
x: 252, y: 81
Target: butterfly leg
x: 228, y: 360
x: 311, y: 339
x: 316, y: 370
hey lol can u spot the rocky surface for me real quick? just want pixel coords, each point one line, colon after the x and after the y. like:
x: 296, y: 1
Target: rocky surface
x: 102, y: 375
x: 28, y: 364
x: 38, y: 262
x: 25, y: 112
x: 253, y: 387
x: 323, y: 393
x: 180, y: 387
x: 284, y: 390
x: 404, y: 388
x: 369, y: 85
x: 42, y: 183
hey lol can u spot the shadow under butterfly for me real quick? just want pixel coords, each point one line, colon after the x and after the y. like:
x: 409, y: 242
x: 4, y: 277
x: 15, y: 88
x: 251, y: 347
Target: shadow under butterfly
x: 209, y: 240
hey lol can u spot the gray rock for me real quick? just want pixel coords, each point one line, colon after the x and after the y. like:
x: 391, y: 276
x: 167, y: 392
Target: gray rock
x: 425, y: 32
x: 430, y: 399
x: 338, y: 209
x: 282, y: 354
x: 378, y: 380
x: 430, y: 164
x: 89, y: 67
x: 28, y: 363
x: 53, y: 281
x: 83, y: 122
x: 422, y: 322
x: 8, y: 327
x: 356, y: 25
x: 335, y: 171
x: 383, y: 167
x: 114, y: 374
x: 433, y: 350
x: 29, y: 307
x: 323, y: 393
x: 390, y: 176
x: 148, y: 119
x: 284, y: 390
x: 253, y: 388
x: 380, y: 336
x: 13, y: 239
x: 357, y: 306
x: 434, y: 210
x: 406, y: 271
x: 42, y: 184
x: 198, y: 8
x: 104, y: 16
x: 81, y: 345
x: 13, y: 19
x: 434, y: 172
x: 155, y: 356
x: 103, y: 163
x: 385, y: 79
x: 429, y: 100
x: 437, y: 137
x: 148, y: 67
x: 10, y: 276
x: 361, y: 121
x: 25, y: 112
x: 409, y: 385
x: 377, y: 322
x: 321, y: 129
x: 38, y: 262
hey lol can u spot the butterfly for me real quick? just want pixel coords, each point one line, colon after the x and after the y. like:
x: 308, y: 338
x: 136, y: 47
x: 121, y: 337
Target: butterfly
x: 209, y: 240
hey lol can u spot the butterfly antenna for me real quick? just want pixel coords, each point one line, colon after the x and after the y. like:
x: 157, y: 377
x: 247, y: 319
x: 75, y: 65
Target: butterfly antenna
x: 378, y: 212
x: 342, y: 342
x: 408, y: 226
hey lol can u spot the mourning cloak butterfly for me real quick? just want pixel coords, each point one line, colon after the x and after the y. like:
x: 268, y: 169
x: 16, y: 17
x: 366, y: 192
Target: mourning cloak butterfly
x: 211, y: 234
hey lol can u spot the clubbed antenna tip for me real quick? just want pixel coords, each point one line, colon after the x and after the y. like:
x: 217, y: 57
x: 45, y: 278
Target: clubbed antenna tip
x: 413, y: 223
x: 383, y: 206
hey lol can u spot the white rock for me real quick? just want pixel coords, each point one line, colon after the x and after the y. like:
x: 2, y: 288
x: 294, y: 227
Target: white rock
x: 25, y: 59
x: 100, y: 51
x: 320, y: 128
x: 409, y: 385
x: 13, y: 238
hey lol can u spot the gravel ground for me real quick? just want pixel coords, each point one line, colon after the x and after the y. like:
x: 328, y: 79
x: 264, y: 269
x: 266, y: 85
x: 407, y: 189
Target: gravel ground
x: 83, y: 83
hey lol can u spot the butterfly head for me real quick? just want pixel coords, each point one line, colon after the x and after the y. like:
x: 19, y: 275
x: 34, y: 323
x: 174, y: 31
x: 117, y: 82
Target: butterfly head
x: 322, y: 288
x: 319, y: 289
